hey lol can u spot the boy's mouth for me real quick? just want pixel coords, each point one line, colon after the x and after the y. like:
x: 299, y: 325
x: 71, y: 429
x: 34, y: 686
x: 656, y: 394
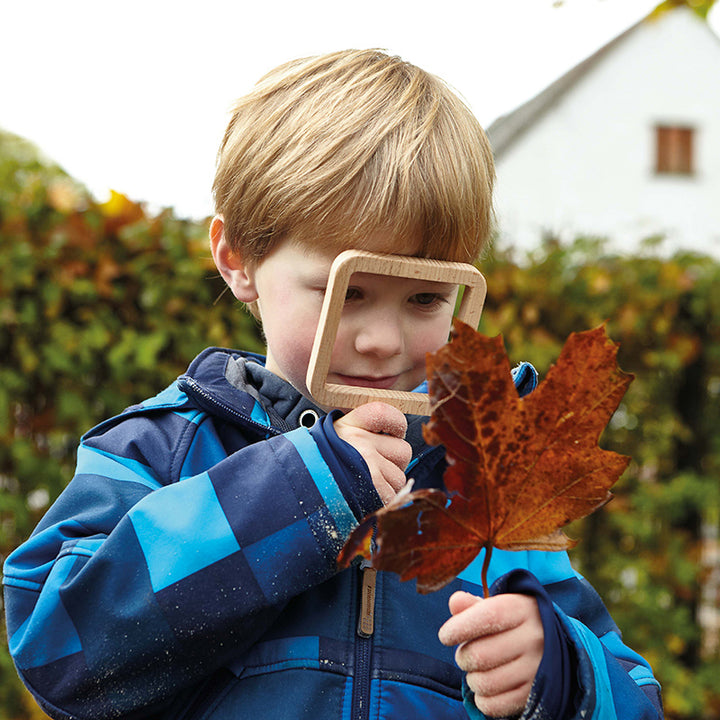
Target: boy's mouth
x: 378, y: 383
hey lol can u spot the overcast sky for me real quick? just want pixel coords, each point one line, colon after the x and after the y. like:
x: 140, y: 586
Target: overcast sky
x: 134, y: 94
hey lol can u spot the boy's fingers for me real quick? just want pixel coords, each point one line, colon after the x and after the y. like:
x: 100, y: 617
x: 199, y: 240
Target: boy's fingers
x: 478, y: 619
x: 394, y: 476
x: 378, y: 417
x: 390, y: 481
x: 461, y: 600
x: 487, y: 654
x: 395, y: 450
x: 501, y: 614
x: 506, y: 704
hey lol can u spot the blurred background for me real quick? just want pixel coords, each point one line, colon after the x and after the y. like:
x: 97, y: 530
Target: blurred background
x: 604, y: 116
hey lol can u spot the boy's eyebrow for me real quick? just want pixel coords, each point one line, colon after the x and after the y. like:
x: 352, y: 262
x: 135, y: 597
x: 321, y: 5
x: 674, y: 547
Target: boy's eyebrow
x: 315, y: 276
x: 317, y: 279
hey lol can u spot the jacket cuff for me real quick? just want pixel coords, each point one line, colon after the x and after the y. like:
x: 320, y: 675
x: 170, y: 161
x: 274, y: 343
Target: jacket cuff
x: 347, y: 466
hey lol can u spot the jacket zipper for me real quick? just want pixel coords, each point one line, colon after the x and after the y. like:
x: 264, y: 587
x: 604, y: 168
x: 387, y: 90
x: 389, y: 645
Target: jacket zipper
x: 364, y: 643
x: 191, y: 384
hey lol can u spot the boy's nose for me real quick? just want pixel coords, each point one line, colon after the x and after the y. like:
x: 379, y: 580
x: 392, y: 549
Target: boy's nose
x: 380, y: 335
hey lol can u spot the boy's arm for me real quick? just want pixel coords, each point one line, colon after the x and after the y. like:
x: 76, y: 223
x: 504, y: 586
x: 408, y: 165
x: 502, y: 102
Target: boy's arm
x: 135, y: 586
x: 585, y: 672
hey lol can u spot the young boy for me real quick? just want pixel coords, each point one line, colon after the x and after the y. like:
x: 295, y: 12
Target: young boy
x: 188, y: 570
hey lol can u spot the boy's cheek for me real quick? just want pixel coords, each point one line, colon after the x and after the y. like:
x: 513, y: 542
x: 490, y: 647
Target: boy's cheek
x: 289, y: 348
x: 293, y: 358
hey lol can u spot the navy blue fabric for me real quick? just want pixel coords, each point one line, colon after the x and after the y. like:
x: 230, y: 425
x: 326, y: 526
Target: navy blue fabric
x: 189, y: 571
x: 346, y: 465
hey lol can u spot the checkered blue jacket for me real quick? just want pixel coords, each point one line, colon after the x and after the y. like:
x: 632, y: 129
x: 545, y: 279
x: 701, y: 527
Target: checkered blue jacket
x: 188, y: 571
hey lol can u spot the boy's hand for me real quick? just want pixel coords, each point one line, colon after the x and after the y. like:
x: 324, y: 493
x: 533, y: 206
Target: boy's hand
x: 501, y: 644
x: 377, y: 431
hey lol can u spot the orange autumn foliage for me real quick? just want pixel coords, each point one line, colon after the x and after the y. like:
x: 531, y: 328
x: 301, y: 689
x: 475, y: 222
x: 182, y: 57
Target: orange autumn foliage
x: 518, y: 470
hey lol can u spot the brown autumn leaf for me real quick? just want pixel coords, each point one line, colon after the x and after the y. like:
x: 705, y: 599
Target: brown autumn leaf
x: 518, y: 468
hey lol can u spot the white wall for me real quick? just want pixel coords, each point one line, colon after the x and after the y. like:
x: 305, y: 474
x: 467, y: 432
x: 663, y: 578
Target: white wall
x: 587, y: 166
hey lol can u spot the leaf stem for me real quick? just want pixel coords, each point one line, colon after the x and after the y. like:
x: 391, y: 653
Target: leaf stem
x: 486, y: 565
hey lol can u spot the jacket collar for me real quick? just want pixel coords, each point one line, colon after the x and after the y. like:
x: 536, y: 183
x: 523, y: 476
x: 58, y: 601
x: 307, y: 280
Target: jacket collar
x: 236, y: 386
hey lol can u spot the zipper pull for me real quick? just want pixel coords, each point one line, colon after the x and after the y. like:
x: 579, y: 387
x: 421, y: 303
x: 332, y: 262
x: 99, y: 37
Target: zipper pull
x: 366, y: 621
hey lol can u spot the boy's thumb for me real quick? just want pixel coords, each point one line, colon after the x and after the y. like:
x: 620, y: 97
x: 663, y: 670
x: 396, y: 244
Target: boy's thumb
x: 379, y: 417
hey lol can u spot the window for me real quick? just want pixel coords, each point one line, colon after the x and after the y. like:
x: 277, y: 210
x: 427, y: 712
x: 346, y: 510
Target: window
x: 674, y: 149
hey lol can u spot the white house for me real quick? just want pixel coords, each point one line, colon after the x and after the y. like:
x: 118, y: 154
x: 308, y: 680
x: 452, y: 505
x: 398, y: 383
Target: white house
x: 626, y: 145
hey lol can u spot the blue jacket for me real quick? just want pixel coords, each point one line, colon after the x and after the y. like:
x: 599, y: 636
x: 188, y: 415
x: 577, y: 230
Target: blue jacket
x: 188, y: 571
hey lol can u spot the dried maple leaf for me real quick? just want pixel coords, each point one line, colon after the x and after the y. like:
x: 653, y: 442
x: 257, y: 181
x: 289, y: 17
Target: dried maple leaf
x: 518, y: 468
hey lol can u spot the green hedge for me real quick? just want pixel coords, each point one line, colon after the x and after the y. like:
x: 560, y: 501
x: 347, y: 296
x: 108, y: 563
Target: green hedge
x: 102, y: 305
x: 649, y: 551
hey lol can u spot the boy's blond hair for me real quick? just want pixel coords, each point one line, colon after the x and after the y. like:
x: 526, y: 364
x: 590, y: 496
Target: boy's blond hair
x: 330, y: 149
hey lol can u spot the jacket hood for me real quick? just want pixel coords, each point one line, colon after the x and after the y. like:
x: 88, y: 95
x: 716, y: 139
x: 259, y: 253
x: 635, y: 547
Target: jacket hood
x: 237, y: 386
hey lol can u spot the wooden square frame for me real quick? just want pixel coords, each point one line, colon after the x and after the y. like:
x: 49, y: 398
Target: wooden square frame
x: 352, y: 261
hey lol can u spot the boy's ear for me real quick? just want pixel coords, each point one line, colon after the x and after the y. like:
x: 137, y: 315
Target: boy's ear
x: 236, y: 273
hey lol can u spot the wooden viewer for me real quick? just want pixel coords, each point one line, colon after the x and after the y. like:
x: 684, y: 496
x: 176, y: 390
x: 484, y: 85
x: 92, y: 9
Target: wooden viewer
x: 352, y: 261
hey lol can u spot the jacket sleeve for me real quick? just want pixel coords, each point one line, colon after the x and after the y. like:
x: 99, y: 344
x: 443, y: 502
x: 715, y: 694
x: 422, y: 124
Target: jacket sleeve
x: 165, y: 557
x: 586, y: 670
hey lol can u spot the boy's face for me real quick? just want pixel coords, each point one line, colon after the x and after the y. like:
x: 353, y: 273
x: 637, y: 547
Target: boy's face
x: 386, y: 328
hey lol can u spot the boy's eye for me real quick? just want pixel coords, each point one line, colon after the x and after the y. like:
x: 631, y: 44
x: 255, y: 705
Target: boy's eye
x: 428, y: 300
x: 352, y: 294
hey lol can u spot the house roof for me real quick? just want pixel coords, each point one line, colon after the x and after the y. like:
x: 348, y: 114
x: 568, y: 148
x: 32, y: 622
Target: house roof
x: 507, y: 128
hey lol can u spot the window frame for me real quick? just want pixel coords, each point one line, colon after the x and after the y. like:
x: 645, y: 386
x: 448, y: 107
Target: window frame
x: 675, y: 149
